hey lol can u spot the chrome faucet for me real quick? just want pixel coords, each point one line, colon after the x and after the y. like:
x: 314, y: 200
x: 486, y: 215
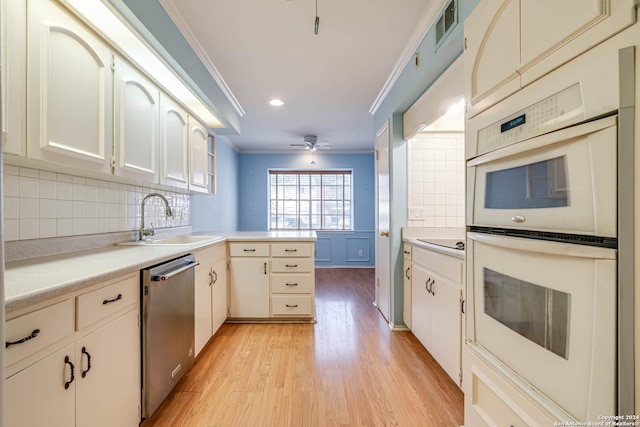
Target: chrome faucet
x: 144, y: 232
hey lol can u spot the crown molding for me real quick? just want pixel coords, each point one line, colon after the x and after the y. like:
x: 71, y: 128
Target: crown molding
x: 419, y: 33
x: 177, y: 18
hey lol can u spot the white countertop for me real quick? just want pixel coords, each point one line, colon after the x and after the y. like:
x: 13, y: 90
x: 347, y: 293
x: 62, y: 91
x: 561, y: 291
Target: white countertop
x: 434, y: 246
x: 36, y: 280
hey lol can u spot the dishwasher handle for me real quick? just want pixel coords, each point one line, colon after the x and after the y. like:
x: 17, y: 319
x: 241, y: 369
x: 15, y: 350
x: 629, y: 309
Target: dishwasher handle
x: 170, y: 274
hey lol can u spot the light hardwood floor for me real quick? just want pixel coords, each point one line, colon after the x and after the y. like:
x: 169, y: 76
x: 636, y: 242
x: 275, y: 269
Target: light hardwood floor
x: 348, y: 369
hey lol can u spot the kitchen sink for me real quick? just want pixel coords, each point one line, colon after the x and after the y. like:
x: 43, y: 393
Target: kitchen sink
x: 184, y: 240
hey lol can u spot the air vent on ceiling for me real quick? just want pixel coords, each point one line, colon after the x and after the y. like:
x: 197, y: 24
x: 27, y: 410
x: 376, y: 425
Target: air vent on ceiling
x: 447, y: 20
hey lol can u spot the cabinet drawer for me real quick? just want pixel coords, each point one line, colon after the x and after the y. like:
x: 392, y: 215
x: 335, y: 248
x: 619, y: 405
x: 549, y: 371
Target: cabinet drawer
x: 211, y: 254
x: 52, y: 323
x: 291, y: 249
x: 407, y: 251
x: 283, y: 265
x: 446, y: 266
x: 291, y: 284
x: 249, y: 249
x: 291, y: 305
x: 489, y: 403
x: 98, y: 304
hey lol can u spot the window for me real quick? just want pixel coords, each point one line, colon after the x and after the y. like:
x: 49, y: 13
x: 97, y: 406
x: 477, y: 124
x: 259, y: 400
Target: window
x: 310, y: 200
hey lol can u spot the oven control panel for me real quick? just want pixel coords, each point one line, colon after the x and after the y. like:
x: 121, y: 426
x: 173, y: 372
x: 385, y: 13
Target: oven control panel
x: 557, y: 111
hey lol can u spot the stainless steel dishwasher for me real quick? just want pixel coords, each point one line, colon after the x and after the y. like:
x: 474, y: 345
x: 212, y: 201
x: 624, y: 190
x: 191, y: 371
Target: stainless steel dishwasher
x: 167, y: 328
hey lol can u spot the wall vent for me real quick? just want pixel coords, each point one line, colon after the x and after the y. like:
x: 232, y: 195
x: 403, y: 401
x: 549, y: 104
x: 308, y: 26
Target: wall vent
x: 447, y: 21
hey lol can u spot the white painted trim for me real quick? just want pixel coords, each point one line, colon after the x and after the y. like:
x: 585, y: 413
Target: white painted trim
x: 399, y: 328
x: 177, y: 18
x: 419, y: 33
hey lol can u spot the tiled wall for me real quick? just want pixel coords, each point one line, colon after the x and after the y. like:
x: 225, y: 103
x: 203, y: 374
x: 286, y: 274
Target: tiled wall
x: 435, y: 175
x: 40, y: 204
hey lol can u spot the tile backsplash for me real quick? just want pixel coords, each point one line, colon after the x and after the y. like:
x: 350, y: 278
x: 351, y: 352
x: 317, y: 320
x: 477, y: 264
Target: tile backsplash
x: 435, y: 180
x: 40, y: 204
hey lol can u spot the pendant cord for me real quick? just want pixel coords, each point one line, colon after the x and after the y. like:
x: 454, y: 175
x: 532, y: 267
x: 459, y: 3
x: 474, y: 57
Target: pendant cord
x: 317, y: 22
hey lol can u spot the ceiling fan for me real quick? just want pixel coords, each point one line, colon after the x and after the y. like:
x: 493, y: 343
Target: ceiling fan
x: 311, y: 143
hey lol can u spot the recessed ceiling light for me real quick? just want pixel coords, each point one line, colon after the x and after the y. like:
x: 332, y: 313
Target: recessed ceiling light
x: 276, y: 102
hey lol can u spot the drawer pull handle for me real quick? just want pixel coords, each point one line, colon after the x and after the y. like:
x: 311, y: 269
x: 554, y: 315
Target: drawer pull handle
x: 406, y: 273
x: 107, y: 301
x: 292, y: 305
x: 265, y: 268
x: 291, y: 284
x: 291, y: 250
x: 73, y: 372
x: 84, y: 351
x: 215, y: 276
x: 291, y: 265
x: 34, y: 334
x: 249, y: 250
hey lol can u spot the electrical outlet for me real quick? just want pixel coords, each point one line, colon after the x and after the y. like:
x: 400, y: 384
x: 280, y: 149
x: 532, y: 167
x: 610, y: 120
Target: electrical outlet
x: 416, y: 213
x: 360, y: 252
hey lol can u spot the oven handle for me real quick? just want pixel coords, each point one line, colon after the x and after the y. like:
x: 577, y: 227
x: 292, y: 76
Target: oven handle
x: 544, y: 140
x: 541, y: 246
x: 166, y: 276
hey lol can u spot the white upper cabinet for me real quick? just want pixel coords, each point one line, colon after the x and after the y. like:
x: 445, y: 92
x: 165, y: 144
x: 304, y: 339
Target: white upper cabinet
x: 198, y: 156
x: 492, y: 53
x: 136, y: 124
x: 511, y: 43
x: 173, y: 143
x: 69, y: 95
x: 14, y: 73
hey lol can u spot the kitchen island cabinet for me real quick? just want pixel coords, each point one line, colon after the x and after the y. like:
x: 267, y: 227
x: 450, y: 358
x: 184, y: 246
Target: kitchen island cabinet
x: 272, y: 280
x: 86, y: 377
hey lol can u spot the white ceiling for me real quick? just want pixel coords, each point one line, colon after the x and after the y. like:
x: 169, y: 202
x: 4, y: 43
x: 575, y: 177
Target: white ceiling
x: 266, y: 49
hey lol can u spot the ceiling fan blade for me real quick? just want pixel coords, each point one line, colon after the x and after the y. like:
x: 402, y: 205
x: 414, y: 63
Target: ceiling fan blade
x: 298, y: 145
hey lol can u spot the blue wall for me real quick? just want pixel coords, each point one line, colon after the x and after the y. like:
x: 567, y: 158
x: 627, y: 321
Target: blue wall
x: 219, y: 212
x: 332, y: 248
x: 410, y: 85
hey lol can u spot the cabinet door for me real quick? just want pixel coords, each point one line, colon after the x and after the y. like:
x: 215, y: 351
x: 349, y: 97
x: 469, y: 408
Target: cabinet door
x: 198, y: 156
x: 219, y: 294
x: 421, y: 306
x: 407, y: 294
x: 447, y: 327
x: 13, y: 66
x: 553, y: 32
x: 69, y: 96
x: 136, y: 124
x: 109, y: 393
x: 492, y: 55
x: 202, y: 310
x: 173, y: 143
x: 36, y: 395
x: 249, y: 287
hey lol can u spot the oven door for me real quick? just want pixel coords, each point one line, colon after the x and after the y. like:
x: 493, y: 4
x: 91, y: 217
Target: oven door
x: 547, y: 310
x: 564, y: 181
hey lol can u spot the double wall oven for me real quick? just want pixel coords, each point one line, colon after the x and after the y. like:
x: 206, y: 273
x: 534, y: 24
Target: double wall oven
x: 546, y: 214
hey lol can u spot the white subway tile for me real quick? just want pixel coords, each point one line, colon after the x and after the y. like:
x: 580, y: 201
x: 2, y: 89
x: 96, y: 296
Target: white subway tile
x: 79, y: 210
x: 440, y: 221
x: 64, y: 227
x: 79, y: 191
x: 64, y: 178
x: 113, y: 210
x: 11, y: 229
x: 91, y: 193
x: 103, y: 210
x: 48, y: 228
x: 65, y: 209
x: 51, y: 176
x: 29, y: 209
x: 103, y: 225
x: 11, y: 170
x: 27, y: 172
x: 48, y: 209
x: 78, y: 180
x: 64, y: 190
x: 48, y: 189
x: 92, y: 182
x: 79, y: 226
x: 113, y: 225
x: 29, y: 229
x: 103, y: 194
x: 92, y: 225
x: 11, y: 208
x: 91, y: 209
x: 29, y: 187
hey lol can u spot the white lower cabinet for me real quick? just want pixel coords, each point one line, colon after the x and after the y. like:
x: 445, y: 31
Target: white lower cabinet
x: 249, y: 287
x: 406, y: 311
x: 91, y: 378
x: 108, y: 374
x: 436, y: 313
x: 210, y: 294
x: 36, y: 396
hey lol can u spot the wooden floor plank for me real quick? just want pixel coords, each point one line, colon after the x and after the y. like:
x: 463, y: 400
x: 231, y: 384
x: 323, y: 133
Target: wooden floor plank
x: 348, y: 369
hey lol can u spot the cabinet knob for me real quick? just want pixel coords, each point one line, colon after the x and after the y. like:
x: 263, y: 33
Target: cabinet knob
x: 384, y: 233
